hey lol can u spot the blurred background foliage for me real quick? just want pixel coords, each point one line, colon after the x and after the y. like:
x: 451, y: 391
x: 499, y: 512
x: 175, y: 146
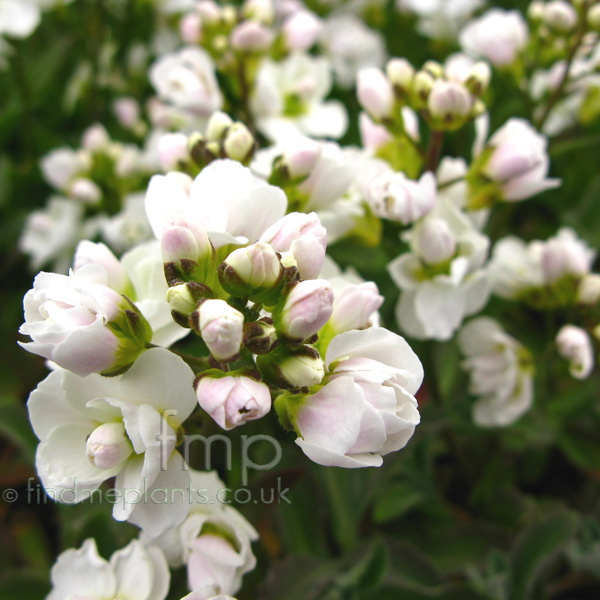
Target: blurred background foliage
x: 461, y: 513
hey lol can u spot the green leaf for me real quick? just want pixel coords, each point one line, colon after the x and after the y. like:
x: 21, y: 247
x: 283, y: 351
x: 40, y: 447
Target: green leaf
x: 535, y: 546
x: 395, y: 501
x: 582, y: 448
x: 368, y: 573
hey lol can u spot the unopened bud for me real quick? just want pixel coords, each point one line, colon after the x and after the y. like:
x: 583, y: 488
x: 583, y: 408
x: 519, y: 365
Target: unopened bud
x: 434, y: 68
x: 85, y: 190
x: 251, y: 36
x: 301, y: 30
x: 574, y: 345
x: 593, y: 17
x: 479, y: 78
x: 187, y: 252
x: 252, y: 271
x: 217, y: 126
x: 190, y: 28
x: 239, y: 143
x: 305, y: 309
x: 434, y: 241
x: 260, y: 337
x: 173, y: 151
x: 588, y: 291
x: 95, y: 138
x: 400, y: 73
x: 535, y: 12
x: 289, y: 369
x: 375, y: 93
x: 221, y: 327
x: 422, y: 85
x: 108, y: 446
x: 259, y: 10
x: 449, y: 101
x: 560, y: 16
x: 209, y: 12
x: 183, y: 299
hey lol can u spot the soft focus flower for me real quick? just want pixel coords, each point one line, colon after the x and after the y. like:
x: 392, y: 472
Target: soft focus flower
x: 233, y: 400
x: 136, y: 572
x: 214, y: 541
x: 497, y: 35
x: 289, y: 99
x: 566, y: 255
x: 301, y: 30
x: 575, y: 345
x: 68, y: 411
x: 501, y: 373
x: 19, y: 18
x: 375, y: 93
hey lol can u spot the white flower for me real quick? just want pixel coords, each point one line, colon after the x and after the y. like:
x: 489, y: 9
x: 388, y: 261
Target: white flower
x: 436, y: 298
x: 19, y: 18
x: 352, y: 46
x: 225, y: 199
x: 63, y: 165
x: 575, y: 345
x: 136, y: 572
x: 68, y: 318
x: 498, y: 36
x: 301, y: 30
x: 289, y: 98
x: 214, y: 541
x: 566, y: 255
x: 391, y: 195
x: 501, y: 373
x: 518, y: 161
x: 186, y: 79
x: 65, y: 410
x: 367, y: 408
x: 375, y: 93
x: 50, y: 234
x: 233, y: 400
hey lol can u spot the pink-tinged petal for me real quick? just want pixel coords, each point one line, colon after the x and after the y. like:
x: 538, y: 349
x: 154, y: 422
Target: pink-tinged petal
x: 134, y: 571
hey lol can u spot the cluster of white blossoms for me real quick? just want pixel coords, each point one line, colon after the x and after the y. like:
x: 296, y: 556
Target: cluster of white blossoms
x: 213, y: 228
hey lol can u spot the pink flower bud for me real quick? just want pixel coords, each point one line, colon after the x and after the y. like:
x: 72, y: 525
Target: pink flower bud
x: 560, y: 16
x: 354, y: 306
x: 190, y: 28
x: 565, y: 255
x: 373, y: 136
x: 434, y: 241
x: 301, y: 30
x: 375, y: 93
x: 449, y: 100
x: 251, y: 36
x: 574, y: 345
x: 85, y: 190
x: 184, y: 239
x: 95, y: 138
x: 306, y: 309
x: 232, y: 400
x: 108, y: 446
x: 127, y: 111
x: 222, y: 328
x: 304, y: 237
x: 301, y: 160
x: 209, y: 11
x: 173, y: 150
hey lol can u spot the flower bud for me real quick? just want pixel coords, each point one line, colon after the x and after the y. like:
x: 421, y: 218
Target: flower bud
x: 291, y: 369
x: 209, y: 11
x: 560, y: 16
x: 434, y: 68
x: 449, y: 101
x: 187, y: 252
x: 588, y: 291
x: 375, y: 93
x: 301, y: 30
x: 251, y: 271
x: 239, y: 143
x: 221, y: 327
x: 260, y: 337
x: 354, y: 307
x: 422, y: 85
x: 259, y: 10
x: 373, y: 136
x: 217, y: 126
x: 593, y: 17
x: 233, y: 400
x: 565, y: 255
x: 190, y: 28
x: 435, y: 241
x: 127, y: 111
x: 479, y: 78
x: 95, y: 138
x: 251, y: 36
x: 535, y: 11
x: 173, y: 151
x: 183, y: 299
x: 400, y: 73
x: 85, y: 190
x: 301, y: 160
x: 108, y: 445
x: 305, y: 309
x: 574, y: 345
